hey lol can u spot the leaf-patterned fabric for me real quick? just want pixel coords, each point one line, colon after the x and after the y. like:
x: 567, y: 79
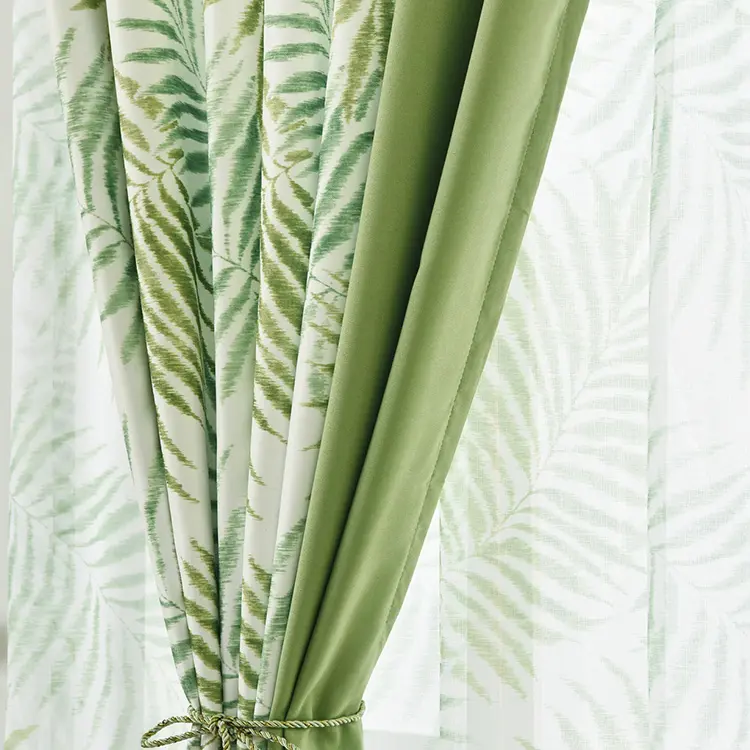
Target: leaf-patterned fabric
x: 218, y: 157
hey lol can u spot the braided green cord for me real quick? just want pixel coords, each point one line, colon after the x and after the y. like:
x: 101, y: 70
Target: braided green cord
x: 229, y: 729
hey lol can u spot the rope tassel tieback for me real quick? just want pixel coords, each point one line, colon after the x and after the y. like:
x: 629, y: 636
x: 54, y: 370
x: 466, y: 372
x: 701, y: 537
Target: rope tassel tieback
x: 229, y: 729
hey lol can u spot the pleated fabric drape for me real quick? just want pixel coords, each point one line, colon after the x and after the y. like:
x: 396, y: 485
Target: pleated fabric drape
x: 301, y: 218
x: 458, y: 154
x: 220, y: 152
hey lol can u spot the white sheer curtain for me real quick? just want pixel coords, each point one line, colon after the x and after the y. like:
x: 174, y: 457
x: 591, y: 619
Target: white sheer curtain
x: 6, y: 217
x: 586, y: 583
x: 594, y: 541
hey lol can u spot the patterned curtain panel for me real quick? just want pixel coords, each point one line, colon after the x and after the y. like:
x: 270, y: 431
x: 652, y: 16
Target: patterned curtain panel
x: 217, y: 156
x: 208, y: 162
x: 87, y: 647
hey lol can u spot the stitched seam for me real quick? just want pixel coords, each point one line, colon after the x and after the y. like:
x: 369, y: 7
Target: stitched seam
x: 532, y: 133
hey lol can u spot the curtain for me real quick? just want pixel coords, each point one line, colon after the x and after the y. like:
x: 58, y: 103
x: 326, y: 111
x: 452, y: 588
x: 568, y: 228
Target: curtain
x: 588, y: 567
x: 159, y: 120
x: 218, y: 158
x: 582, y: 584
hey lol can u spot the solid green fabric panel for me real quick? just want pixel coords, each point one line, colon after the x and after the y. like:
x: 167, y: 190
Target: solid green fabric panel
x: 386, y: 451
x: 415, y: 120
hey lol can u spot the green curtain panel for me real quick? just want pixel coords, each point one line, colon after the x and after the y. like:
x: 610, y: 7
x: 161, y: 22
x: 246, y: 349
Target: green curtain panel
x: 433, y: 262
x: 300, y: 219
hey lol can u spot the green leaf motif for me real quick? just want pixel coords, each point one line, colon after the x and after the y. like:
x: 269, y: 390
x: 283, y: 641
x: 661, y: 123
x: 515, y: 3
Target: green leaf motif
x: 16, y: 738
x: 250, y: 18
x: 162, y: 28
x: 89, y: 5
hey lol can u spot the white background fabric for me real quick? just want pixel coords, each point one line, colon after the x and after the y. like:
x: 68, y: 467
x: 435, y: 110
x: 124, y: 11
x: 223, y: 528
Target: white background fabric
x: 6, y: 263
x: 6, y: 129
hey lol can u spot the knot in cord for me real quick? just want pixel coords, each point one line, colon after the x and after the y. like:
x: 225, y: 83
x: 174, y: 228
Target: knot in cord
x: 229, y: 729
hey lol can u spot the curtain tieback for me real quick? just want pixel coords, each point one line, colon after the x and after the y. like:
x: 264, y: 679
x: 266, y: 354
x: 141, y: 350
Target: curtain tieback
x: 229, y: 729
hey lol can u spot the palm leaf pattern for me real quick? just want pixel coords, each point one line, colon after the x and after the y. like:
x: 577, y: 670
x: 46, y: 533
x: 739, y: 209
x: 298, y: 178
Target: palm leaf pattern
x: 524, y: 569
x: 543, y: 564
x: 593, y: 527
x: 98, y: 154
x: 358, y: 44
x: 295, y: 66
x: 217, y: 153
x: 166, y: 164
x: 698, y: 478
x: 234, y: 87
x: 315, y: 156
x: 87, y: 632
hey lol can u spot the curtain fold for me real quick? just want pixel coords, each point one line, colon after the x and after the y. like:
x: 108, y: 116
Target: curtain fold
x: 360, y: 35
x: 160, y: 86
x: 87, y: 636
x: 234, y: 55
x: 289, y: 158
x: 422, y: 310
x: 86, y: 81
